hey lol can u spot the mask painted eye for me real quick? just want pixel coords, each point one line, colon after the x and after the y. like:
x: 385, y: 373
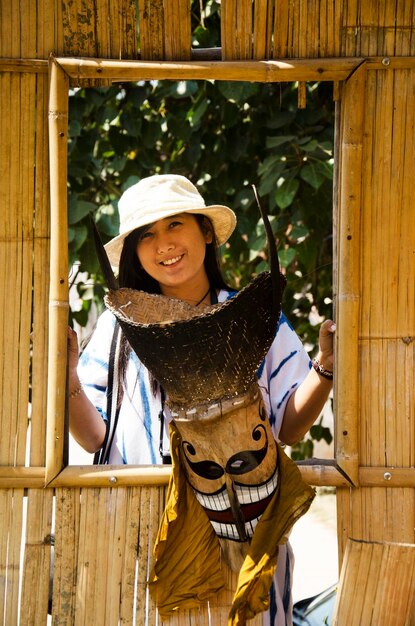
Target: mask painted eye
x: 248, y: 460
x: 262, y: 412
x: 204, y: 469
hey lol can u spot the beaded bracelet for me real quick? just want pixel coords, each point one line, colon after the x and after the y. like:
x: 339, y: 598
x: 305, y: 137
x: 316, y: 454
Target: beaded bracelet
x: 76, y: 391
x: 322, y: 370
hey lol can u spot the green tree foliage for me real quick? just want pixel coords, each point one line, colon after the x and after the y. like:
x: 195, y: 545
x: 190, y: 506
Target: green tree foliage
x: 225, y: 137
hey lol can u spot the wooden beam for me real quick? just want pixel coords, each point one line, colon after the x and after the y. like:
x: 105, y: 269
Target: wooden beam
x: 112, y: 476
x: 347, y: 389
x: 252, y: 71
x: 318, y: 474
x: 59, y: 291
x: 19, y: 477
x: 134, y: 475
x: 387, y: 477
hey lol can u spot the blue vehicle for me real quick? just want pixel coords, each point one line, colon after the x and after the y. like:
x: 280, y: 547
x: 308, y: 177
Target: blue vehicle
x: 317, y: 610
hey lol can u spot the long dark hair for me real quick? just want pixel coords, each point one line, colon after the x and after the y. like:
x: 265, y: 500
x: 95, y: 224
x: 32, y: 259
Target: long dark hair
x: 132, y: 275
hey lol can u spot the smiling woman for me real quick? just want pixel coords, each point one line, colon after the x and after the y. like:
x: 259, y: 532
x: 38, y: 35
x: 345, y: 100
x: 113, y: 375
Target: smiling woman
x: 191, y: 354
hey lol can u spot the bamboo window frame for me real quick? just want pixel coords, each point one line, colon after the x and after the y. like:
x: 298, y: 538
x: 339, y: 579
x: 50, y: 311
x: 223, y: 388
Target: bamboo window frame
x: 343, y: 469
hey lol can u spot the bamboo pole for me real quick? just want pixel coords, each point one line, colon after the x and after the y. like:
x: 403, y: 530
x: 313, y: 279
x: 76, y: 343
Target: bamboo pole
x: 348, y: 306
x: 58, y: 294
x: 314, y: 473
x: 260, y: 71
x: 19, y: 476
x: 122, y: 476
x: 112, y: 476
x: 302, y: 95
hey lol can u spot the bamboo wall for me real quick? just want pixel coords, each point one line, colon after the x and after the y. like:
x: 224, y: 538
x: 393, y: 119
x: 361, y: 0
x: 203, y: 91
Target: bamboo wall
x: 99, y: 514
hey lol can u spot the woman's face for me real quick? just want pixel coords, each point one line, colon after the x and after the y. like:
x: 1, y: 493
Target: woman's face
x: 172, y: 251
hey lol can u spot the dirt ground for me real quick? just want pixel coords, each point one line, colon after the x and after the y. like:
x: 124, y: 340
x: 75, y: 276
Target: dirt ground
x: 314, y: 541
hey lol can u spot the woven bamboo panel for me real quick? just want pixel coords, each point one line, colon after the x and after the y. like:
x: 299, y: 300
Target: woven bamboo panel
x: 380, y: 577
x: 11, y: 523
x: 37, y: 555
x: 378, y: 28
x: 28, y: 32
x: 387, y: 435
x: 104, y: 28
x: 16, y: 260
x: 151, y: 31
x: 103, y: 556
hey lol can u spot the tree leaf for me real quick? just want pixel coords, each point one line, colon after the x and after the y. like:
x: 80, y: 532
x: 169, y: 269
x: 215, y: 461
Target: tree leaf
x: 286, y: 193
x: 280, y: 140
x: 236, y: 91
x: 286, y: 256
x: 78, y: 210
x: 311, y: 175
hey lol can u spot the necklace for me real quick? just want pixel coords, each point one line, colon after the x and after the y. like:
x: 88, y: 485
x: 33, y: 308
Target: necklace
x: 200, y: 301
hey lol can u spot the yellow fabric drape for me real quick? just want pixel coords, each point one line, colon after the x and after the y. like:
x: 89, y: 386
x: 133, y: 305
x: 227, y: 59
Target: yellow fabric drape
x: 291, y: 500
x: 187, y: 570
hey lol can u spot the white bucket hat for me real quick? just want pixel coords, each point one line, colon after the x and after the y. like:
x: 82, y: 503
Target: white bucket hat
x: 160, y: 196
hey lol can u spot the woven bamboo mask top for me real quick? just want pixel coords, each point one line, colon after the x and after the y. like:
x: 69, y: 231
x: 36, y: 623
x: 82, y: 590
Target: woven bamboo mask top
x: 201, y: 355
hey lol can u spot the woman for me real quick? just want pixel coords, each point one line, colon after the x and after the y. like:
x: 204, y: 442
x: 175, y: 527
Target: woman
x: 166, y: 245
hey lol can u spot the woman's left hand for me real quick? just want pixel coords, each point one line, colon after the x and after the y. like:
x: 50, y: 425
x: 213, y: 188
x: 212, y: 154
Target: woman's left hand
x: 326, y: 344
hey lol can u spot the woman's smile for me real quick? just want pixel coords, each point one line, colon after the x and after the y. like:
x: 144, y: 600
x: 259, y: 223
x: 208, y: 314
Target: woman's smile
x: 172, y: 261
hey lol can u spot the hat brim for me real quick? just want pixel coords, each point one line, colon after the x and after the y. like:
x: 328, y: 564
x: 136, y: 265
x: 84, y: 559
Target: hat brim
x: 222, y: 217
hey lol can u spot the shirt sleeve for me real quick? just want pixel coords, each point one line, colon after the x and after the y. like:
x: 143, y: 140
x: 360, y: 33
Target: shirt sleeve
x: 282, y: 371
x: 93, y: 363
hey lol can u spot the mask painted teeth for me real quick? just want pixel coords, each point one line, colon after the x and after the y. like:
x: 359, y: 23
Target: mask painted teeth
x: 253, y: 500
x: 171, y: 261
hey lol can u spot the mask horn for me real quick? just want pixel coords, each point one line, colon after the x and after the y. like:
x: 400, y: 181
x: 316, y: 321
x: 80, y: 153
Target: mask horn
x: 103, y: 259
x: 273, y: 259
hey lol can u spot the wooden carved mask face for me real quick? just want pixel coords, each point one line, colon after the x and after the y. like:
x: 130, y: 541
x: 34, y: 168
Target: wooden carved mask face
x: 230, y: 460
